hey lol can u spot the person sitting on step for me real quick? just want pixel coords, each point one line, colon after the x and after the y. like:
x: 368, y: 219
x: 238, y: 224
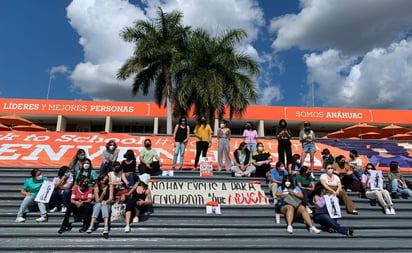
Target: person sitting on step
x: 242, y: 161
x: 397, y: 183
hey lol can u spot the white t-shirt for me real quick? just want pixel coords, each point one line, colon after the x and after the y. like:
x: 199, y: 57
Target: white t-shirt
x: 330, y: 181
x: 356, y: 163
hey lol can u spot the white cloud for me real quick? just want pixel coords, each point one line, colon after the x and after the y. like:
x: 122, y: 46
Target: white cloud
x: 269, y: 94
x: 62, y: 69
x: 380, y: 79
x: 350, y: 26
x: 99, y: 24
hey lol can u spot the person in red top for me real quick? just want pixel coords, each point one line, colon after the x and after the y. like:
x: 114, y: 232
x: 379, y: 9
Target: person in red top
x: 81, y: 199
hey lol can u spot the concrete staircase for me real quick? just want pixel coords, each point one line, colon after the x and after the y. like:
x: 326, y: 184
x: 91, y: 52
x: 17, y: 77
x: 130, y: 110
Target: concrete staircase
x: 183, y: 228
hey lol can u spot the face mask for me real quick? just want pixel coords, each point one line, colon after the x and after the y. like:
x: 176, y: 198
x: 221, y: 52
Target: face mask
x: 287, y: 184
x: 82, y: 157
x: 147, y: 145
x: 117, y: 169
x: 106, y: 182
x: 369, y: 171
x: 203, y: 121
x: 222, y: 125
x: 282, y: 168
x: 330, y: 171
x: 248, y: 127
x: 86, y: 166
x: 38, y: 178
x: 351, y: 156
x: 83, y: 187
x: 183, y: 123
x: 67, y: 175
x: 298, y: 161
x: 111, y: 147
x: 341, y: 162
x: 260, y: 149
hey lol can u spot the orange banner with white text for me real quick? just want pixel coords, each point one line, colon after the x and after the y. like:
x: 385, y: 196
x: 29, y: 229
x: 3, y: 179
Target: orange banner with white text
x: 55, y: 149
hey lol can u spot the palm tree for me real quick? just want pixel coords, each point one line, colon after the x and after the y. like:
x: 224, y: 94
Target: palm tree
x: 214, y: 75
x: 158, y: 45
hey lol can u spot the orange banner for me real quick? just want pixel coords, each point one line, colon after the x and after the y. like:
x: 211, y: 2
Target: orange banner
x: 54, y: 149
x: 149, y: 109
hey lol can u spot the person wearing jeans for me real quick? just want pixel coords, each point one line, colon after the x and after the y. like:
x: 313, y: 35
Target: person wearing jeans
x: 397, y: 182
x: 181, y: 135
x: 30, y: 189
x: 223, y: 135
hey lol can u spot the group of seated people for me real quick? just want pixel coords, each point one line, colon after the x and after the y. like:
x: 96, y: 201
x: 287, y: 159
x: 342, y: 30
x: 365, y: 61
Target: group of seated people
x: 80, y: 190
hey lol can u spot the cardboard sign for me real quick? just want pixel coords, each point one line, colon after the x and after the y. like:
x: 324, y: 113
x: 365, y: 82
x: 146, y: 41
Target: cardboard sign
x: 213, y: 207
x: 206, y: 167
x: 191, y: 193
x: 332, y: 204
x: 45, y: 192
x: 168, y: 173
x: 376, y: 180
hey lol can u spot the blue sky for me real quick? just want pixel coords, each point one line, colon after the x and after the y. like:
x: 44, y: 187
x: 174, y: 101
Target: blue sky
x: 354, y: 53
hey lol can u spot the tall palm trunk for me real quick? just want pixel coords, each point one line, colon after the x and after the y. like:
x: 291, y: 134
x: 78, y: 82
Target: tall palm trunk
x: 169, y: 116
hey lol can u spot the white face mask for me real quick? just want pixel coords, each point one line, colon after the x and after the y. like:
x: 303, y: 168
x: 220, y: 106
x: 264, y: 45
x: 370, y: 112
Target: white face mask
x: 369, y: 171
x: 287, y: 184
x: 222, y: 125
x: 111, y: 147
x: 282, y: 168
x: 298, y: 161
x: 86, y: 166
x: 260, y: 149
x: 38, y: 178
x: 330, y: 171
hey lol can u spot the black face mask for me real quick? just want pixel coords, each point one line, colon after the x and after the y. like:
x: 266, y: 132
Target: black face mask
x: 203, y: 121
x: 248, y: 127
x: 342, y: 162
x: 351, y: 156
x: 147, y: 145
x: 83, y: 187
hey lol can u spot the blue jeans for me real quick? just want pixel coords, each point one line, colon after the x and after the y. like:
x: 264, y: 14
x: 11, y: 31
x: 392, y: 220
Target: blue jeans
x: 27, y: 202
x: 104, y: 209
x: 179, y: 151
x: 251, y: 147
x: 106, y: 168
x: 404, y: 192
x: 59, y: 197
x: 326, y: 221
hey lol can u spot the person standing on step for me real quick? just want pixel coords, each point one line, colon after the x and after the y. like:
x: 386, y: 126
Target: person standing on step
x: 307, y: 138
x: 283, y: 136
x: 103, y: 198
x: 223, y: 136
x: 29, y: 190
x: 140, y: 201
x: 203, y: 132
x: 80, y: 204
x: 109, y: 156
x: 181, y: 134
x: 250, y: 135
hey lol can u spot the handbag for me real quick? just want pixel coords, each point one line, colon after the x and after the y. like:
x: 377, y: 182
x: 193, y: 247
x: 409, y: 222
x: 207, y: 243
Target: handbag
x: 118, y: 212
x: 292, y: 200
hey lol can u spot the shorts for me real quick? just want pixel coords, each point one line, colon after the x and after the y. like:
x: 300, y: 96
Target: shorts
x: 309, y: 147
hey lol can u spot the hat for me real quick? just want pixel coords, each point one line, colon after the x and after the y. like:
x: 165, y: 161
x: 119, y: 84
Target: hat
x: 144, y: 178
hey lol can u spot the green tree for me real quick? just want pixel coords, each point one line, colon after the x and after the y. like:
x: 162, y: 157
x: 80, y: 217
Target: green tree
x: 158, y: 45
x: 214, y: 75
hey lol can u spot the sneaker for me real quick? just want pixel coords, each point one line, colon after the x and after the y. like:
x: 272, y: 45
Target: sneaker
x: 64, y: 209
x: 90, y: 229
x: 350, y: 232
x: 314, y: 230
x: 290, y: 229
x: 105, y: 230
x: 42, y: 219
x: 277, y: 218
x: 387, y: 211
x: 127, y: 229
x: 136, y: 219
x: 309, y: 210
x: 393, y: 211
x: 82, y: 230
x: 53, y: 210
x: 20, y: 219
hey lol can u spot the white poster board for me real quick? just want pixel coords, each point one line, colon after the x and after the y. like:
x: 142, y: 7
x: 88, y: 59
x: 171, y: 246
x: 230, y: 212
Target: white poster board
x: 376, y: 180
x: 206, y: 167
x: 45, y: 192
x: 332, y: 204
x: 213, y: 209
